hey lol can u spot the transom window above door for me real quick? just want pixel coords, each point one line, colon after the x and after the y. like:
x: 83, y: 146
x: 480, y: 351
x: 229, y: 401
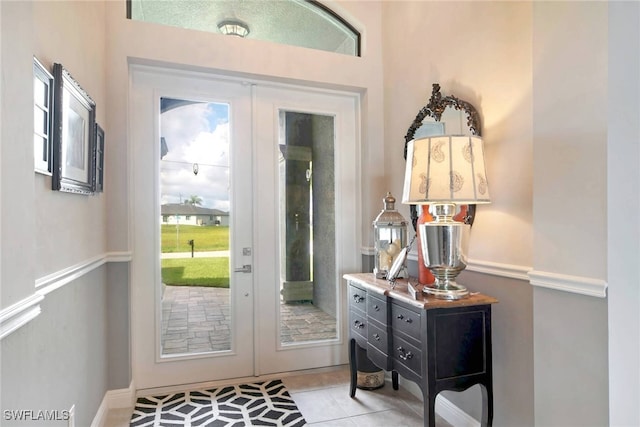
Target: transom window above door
x: 304, y: 23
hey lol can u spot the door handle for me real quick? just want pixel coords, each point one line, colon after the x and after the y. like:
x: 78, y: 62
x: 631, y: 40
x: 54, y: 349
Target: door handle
x: 244, y: 269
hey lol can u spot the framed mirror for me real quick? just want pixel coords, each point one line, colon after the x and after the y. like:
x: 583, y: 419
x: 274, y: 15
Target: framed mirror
x: 443, y: 115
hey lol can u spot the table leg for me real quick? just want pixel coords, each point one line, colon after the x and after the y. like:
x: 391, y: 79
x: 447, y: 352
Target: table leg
x: 353, y: 368
x: 487, y: 404
x: 429, y: 409
x: 394, y: 380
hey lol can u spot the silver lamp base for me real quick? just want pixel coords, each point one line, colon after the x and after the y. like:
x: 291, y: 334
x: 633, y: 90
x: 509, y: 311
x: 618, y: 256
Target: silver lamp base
x: 444, y: 245
x: 450, y: 291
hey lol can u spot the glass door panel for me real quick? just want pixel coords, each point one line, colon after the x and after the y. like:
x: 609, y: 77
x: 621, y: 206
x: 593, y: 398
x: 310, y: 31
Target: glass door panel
x: 195, y: 211
x: 192, y: 316
x: 307, y: 227
x: 305, y: 224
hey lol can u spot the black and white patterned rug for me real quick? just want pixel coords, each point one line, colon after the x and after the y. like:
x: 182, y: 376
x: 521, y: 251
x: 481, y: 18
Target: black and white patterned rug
x: 260, y: 404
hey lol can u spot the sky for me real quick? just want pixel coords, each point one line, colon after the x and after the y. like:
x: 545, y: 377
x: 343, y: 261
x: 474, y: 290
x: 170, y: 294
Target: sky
x: 196, y: 133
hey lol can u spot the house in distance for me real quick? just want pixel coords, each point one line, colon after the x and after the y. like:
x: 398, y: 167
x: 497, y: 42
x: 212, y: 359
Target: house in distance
x: 188, y: 214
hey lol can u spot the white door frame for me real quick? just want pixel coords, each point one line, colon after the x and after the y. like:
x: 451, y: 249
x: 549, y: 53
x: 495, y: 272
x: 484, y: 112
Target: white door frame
x: 270, y: 99
x: 149, y: 370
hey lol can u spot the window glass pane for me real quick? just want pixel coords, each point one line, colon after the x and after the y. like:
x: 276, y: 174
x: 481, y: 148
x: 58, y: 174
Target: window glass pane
x: 292, y: 22
x: 307, y: 228
x: 194, y: 252
x: 40, y: 93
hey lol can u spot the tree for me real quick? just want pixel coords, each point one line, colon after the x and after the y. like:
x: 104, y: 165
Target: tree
x: 194, y: 201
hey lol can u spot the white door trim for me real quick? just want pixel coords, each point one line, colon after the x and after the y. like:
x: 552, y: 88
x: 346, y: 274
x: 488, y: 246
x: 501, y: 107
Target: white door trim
x: 344, y: 107
x: 150, y: 367
x: 348, y: 172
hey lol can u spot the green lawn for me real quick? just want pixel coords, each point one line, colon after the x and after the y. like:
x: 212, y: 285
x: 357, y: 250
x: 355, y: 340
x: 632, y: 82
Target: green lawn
x: 213, y: 272
x: 206, y: 238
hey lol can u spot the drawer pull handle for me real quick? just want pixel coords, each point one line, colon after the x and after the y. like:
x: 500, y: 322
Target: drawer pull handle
x: 358, y: 298
x: 377, y: 337
x: 404, y: 354
x: 376, y: 308
x: 401, y: 317
x: 358, y: 324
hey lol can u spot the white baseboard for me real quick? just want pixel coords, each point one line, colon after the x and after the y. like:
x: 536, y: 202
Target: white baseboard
x: 114, y: 399
x: 454, y: 415
x: 100, y: 419
x: 122, y: 398
x: 444, y: 408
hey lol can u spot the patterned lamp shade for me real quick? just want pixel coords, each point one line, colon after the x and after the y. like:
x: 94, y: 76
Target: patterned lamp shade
x: 445, y: 169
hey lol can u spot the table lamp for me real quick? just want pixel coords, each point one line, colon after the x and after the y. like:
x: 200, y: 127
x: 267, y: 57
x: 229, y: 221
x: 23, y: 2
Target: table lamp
x: 445, y: 172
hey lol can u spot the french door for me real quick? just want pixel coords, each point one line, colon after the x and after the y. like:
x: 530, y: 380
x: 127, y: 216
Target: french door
x: 253, y: 188
x: 306, y: 204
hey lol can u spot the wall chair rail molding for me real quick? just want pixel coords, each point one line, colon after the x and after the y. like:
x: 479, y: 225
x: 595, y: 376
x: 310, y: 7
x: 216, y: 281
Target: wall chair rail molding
x: 368, y: 250
x: 121, y: 256
x: 511, y: 271
x: 574, y: 284
x: 22, y: 312
x: 19, y: 314
x: 53, y: 281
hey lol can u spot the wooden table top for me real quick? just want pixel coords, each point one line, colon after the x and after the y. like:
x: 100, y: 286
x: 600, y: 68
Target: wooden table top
x: 422, y: 300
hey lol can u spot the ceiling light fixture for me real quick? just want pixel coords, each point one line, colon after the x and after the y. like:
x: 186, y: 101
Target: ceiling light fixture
x: 234, y: 28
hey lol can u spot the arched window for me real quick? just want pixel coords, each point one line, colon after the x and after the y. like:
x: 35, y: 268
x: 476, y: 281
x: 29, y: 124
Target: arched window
x: 305, y: 23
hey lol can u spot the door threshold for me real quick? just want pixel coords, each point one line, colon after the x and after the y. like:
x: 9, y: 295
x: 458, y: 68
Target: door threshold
x: 232, y: 381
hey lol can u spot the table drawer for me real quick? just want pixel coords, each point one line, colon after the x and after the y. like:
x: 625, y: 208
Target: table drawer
x: 380, y: 359
x: 377, y: 309
x: 405, y: 321
x: 407, y: 355
x: 378, y: 338
x: 357, y: 298
x: 358, y: 327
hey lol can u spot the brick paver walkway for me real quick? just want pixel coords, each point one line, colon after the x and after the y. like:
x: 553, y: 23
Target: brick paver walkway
x: 196, y: 319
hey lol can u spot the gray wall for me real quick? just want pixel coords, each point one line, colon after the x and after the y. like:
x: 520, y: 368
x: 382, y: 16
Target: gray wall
x: 60, y: 358
x: 623, y: 192
x: 570, y: 359
x: 118, y: 326
x: 368, y: 263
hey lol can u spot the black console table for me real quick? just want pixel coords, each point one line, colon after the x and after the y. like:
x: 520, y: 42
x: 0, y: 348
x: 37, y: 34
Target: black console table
x: 438, y: 344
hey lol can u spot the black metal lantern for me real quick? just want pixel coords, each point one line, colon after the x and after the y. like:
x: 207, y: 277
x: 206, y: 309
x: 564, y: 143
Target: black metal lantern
x: 390, y: 237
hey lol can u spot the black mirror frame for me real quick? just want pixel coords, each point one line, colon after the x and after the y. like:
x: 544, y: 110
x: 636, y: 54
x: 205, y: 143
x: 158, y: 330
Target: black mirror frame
x: 436, y: 106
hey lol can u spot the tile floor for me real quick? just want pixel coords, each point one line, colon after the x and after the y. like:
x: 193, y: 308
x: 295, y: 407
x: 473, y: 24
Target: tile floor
x: 323, y: 398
